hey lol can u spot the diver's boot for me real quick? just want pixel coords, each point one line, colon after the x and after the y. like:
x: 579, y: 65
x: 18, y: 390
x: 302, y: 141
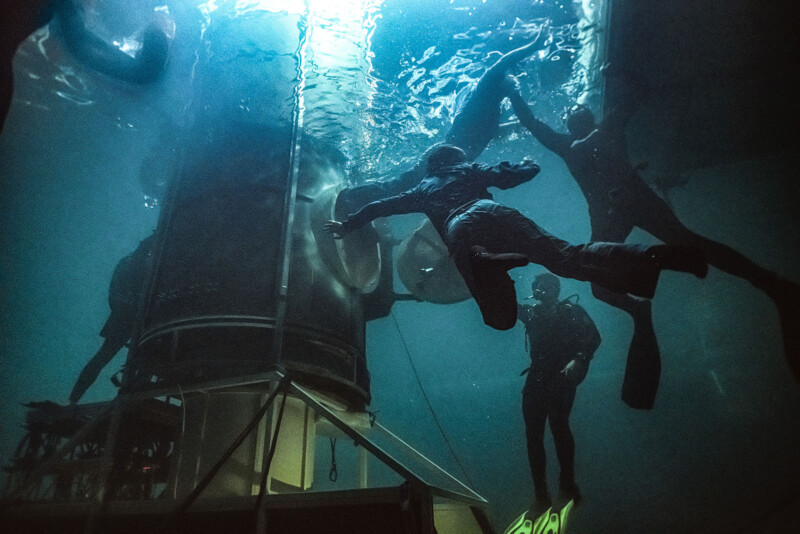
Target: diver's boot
x: 494, y: 289
x: 679, y: 258
x: 786, y: 297
x: 568, y: 491
x: 542, y: 500
x: 504, y: 261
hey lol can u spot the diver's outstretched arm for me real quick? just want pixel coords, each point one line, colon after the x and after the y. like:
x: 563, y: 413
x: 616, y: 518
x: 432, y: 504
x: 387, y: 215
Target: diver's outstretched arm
x: 552, y: 140
x: 407, y: 202
x: 90, y: 371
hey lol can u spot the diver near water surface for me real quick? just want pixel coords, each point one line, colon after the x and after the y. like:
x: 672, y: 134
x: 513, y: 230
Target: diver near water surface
x: 486, y: 239
x: 475, y: 124
x: 124, y: 292
x: 19, y: 22
x: 561, y: 340
x: 619, y: 200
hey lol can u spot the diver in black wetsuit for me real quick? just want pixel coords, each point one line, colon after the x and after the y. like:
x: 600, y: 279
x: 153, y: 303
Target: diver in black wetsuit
x: 20, y: 22
x: 486, y: 239
x: 618, y: 200
x: 123, y: 299
x: 475, y: 124
x: 562, y: 339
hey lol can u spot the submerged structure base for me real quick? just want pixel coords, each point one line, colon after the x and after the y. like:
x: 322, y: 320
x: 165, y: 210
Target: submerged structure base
x: 240, y: 455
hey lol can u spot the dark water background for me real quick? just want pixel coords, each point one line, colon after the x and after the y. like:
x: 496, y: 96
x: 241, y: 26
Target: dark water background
x: 719, y: 452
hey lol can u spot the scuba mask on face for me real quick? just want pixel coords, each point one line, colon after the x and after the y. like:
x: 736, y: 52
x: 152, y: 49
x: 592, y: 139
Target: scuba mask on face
x: 540, y: 294
x: 545, y: 286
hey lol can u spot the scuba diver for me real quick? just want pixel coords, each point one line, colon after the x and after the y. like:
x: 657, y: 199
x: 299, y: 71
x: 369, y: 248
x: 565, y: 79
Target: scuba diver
x: 20, y: 22
x: 561, y: 339
x: 486, y: 239
x: 123, y: 299
x: 476, y: 123
x: 619, y: 200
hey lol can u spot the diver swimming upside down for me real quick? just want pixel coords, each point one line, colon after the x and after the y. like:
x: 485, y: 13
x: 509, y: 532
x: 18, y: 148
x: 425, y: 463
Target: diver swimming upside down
x: 475, y: 124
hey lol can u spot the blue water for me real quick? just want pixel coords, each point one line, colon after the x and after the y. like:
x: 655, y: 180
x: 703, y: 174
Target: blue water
x: 381, y: 81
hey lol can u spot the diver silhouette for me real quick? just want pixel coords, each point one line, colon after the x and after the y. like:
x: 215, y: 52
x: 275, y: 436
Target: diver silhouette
x: 561, y: 339
x: 124, y: 293
x: 19, y: 23
x: 619, y: 200
x: 475, y: 124
x: 486, y: 239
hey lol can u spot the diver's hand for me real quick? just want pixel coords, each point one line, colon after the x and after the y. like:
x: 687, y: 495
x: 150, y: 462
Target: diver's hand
x: 510, y: 85
x: 530, y: 165
x: 336, y: 228
x: 574, y: 369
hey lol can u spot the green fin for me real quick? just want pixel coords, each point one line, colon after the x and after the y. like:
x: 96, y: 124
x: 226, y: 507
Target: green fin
x: 550, y: 522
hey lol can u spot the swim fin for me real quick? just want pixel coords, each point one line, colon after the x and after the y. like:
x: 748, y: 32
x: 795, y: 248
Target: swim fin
x: 643, y: 366
x: 550, y: 522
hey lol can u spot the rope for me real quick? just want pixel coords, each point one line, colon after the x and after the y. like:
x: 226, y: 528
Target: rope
x: 430, y: 407
x: 333, y: 474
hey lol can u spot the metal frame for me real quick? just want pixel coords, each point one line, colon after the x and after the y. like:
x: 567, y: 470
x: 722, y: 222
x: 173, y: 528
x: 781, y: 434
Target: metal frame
x: 101, y: 505
x: 276, y: 376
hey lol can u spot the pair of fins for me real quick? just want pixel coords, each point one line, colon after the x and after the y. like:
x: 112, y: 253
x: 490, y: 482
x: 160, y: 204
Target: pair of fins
x: 550, y: 522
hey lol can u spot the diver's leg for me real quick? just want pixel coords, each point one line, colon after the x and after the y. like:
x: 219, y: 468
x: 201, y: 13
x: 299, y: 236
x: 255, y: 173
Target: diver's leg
x: 535, y: 414
x: 656, y: 217
x: 614, y: 230
x: 651, y: 213
x: 643, y: 362
x: 560, y: 399
x: 477, y: 121
x: 89, y: 48
x: 617, y: 267
x: 468, y: 236
x: 502, y: 230
x: 497, y: 296
x: 493, y: 78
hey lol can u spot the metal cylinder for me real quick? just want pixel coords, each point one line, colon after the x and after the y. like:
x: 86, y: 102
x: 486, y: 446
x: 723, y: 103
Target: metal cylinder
x: 215, y: 297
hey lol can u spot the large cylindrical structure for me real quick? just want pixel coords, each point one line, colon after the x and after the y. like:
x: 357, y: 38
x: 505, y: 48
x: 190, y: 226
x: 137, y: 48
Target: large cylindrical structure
x: 217, y: 294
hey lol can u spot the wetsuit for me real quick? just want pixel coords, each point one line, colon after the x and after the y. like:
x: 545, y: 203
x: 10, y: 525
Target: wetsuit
x: 619, y: 200
x: 556, y: 335
x: 475, y: 124
x: 124, y: 293
x: 461, y: 209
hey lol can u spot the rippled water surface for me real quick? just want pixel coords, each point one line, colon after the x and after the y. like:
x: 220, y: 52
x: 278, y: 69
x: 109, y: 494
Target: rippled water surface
x: 380, y: 80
